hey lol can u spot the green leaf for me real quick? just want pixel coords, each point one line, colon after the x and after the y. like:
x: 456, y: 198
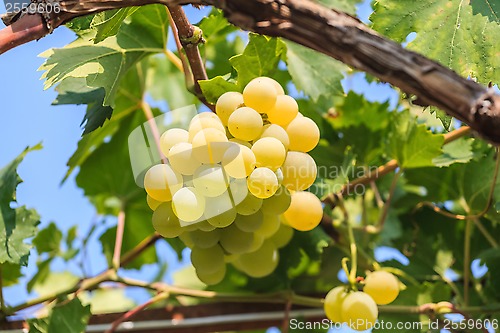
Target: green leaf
x: 42, y: 273
x: 348, y: 6
x: 308, y: 69
x: 65, y: 317
x: 491, y: 258
x: 447, y: 31
x: 442, y: 116
x: 108, y: 23
x: 412, y: 145
x: 48, y: 240
x: 16, y: 225
x: 54, y: 283
x: 10, y: 274
x: 489, y: 8
x: 105, y: 64
x: 260, y: 58
x: 458, y: 151
x: 212, y: 89
x: 107, y: 301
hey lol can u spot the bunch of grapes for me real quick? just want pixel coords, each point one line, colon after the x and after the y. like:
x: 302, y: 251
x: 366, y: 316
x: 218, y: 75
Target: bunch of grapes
x: 358, y: 309
x: 234, y: 186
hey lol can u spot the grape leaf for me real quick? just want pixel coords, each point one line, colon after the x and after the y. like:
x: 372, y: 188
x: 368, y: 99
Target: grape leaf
x: 348, y: 6
x: 48, y: 240
x: 16, y: 225
x: 412, y: 145
x: 212, y: 89
x: 55, y: 283
x: 314, y: 73
x: 65, y: 317
x: 447, y: 31
x: 442, y: 116
x: 458, y: 151
x: 108, y: 23
x: 104, y: 64
x: 107, y: 301
x: 489, y: 8
x: 491, y: 258
x: 10, y: 274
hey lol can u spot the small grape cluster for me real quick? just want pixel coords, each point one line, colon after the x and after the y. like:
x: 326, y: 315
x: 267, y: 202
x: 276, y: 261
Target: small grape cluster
x: 358, y: 309
x: 234, y: 186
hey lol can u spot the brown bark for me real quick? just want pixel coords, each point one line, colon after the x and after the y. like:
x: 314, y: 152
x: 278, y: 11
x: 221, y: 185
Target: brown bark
x: 338, y: 35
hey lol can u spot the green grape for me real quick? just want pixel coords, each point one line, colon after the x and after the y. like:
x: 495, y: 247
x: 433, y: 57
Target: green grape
x: 236, y: 241
x: 245, y: 124
x: 189, y: 226
x: 249, y: 223
x: 269, y: 153
x: 185, y: 237
x: 165, y: 222
x: 260, y: 95
x: 333, y: 304
x: 250, y: 205
x: 204, y: 239
x: 270, y: 225
x: 210, y: 180
x: 212, y: 278
x: 299, y: 171
x: 305, y: 211
x: 303, y: 134
x: 209, y: 145
x: 171, y: 137
x: 277, y: 132
x: 262, y: 183
x: 199, y: 123
x: 277, y: 86
x: 278, y: 203
x: 227, y: 103
x: 260, y: 263
x: 359, y: 311
x: 382, y: 286
x: 161, y: 182
x: 207, y: 260
x: 230, y: 258
x: 238, y: 161
x: 220, y: 211
x: 238, y: 190
x: 204, y: 225
x: 284, y: 111
x: 188, y: 204
x: 258, y: 240
x: 152, y: 203
x: 283, y: 236
x: 181, y: 158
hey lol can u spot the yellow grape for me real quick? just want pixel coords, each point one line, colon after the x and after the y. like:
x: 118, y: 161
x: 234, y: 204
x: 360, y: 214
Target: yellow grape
x: 299, y: 171
x: 210, y: 180
x: 270, y: 225
x: 227, y: 103
x: 333, y: 304
x: 282, y: 237
x: 382, y: 286
x: 245, y: 124
x: 269, y: 153
x: 279, y: 175
x: 260, y: 94
x: 236, y: 241
x: 188, y: 204
x: 220, y: 211
x: 212, y: 278
x: 203, y: 123
x: 207, y: 260
x: 359, y: 311
x: 261, y: 262
x: 277, y: 132
x: 284, y: 111
x: 165, y: 222
x: 161, y: 182
x: 303, y: 134
x: 278, y: 203
x: 277, y: 86
x: 241, y: 142
x: 262, y: 183
x: 305, y: 211
x: 238, y: 161
x: 152, y: 203
x: 249, y: 205
x: 238, y: 190
x: 209, y: 145
x: 181, y: 158
x: 172, y: 137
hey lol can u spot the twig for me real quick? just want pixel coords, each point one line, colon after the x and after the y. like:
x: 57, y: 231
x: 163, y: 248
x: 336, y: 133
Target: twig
x: 468, y: 235
x: 2, y: 301
x: 139, y: 249
x: 119, y: 239
x: 286, y: 319
x: 485, y: 233
x: 387, y: 205
x: 146, y: 108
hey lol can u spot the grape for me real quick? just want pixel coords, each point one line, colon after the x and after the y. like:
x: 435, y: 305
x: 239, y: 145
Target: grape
x: 161, y: 182
x: 277, y: 132
x: 303, y: 134
x: 185, y: 237
x: 284, y: 111
x: 279, y: 175
x: 199, y: 123
x: 220, y: 210
x: 204, y: 225
x: 238, y: 161
x: 269, y: 153
x: 262, y: 183
x: 209, y: 145
x: 249, y: 223
x: 260, y: 95
x: 260, y: 263
x: 152, y: 203
x: 188, y: 204
x: 165, y: 222
x: 203, y: 115
x: 172, y: 137
x: 299, y: 171
x: 250, y: 205
x: 245, y: 124
x: 277, y: 86
x: 207, y: 260
x: 333, y: 304
x: 234, y: 240
x: 226, y: 104
x: 238, y: 190
x: 258, y: 240
x: 278, y: 203
x: 305, y: 211
x: 282, y: 237
x: 382, y: 286
x: 181, y: 158
x: 359, y: 311
x: 241, y: 142
x: 270, y: 225
x: 211, y: 278
x: 210, y: 180
x: 204, y: 239
x: 229, y: 258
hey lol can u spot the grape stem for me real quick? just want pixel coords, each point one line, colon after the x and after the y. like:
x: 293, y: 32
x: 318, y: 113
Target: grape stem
x: 352, y: 246
x: 120, y: 228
